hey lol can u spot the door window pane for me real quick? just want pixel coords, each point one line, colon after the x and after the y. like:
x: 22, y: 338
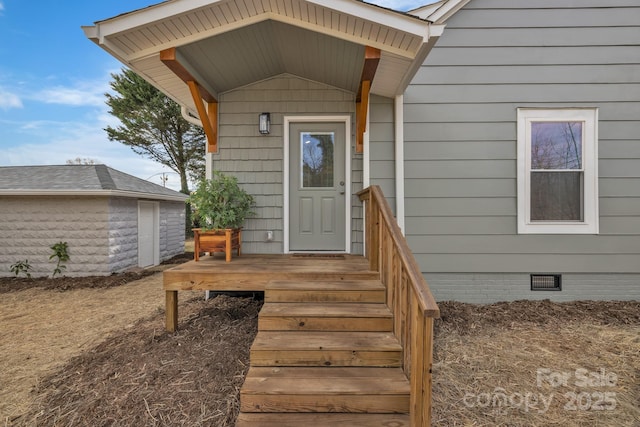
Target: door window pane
x: 316, y: 152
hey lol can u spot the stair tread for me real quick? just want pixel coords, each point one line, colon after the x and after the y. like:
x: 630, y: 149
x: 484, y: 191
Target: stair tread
x: 321, y: 420
x: 343, y: 310
x: 346, y: 285
x: 325, y: 381
x: 303, y: 340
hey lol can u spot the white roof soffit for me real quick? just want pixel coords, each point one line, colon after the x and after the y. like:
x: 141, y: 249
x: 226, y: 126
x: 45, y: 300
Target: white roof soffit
x: 136, y: 38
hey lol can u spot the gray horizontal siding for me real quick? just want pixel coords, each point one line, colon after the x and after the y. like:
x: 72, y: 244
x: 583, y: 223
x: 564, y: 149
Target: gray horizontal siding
x: 551, y: 4
x: 382, y: 147
x: 560, y: 36
x: 460, y: 150
x: 569, y: 14
x: 586, y: 93
x: 531, y: 244
x: 439, y: 111
x: 463, y: 206
x: 477, y: 169
x: 533, y: 74
x: 459, y: 188
x: 517, y: 263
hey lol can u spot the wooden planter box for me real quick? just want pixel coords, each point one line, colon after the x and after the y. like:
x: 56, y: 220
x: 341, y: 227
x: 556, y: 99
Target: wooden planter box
x: 225, y: 240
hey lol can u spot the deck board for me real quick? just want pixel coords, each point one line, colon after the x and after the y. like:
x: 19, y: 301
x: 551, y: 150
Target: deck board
x: 322, y: 420
x: 254, y: 272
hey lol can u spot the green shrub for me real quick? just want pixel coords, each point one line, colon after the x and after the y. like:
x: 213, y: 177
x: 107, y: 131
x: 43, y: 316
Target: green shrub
x: 21, y: 267
x: 61, y: 252
x: 221, y: 203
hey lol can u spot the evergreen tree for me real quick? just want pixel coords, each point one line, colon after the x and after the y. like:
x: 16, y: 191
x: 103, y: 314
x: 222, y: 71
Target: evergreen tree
x: 153, y: 126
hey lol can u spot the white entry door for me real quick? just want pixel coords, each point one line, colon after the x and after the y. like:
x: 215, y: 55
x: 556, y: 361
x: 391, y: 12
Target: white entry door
x: 317, y: 186
x: 148, y: 234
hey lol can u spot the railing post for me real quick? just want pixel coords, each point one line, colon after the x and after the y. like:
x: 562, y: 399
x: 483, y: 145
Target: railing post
x: 427, y: 366
x: 374, y: 228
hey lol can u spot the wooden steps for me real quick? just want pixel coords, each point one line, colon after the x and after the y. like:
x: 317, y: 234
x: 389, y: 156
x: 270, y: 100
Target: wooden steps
x: 362, y: 291
x: 325, y: 355
x: 322, y: 420
x: 325, y: 317
x: 293, y: 348
x: 360, y: 390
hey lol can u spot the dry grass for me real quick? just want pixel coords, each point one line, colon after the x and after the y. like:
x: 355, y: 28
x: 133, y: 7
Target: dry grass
x: 43, y: 329
x: 538, y: 364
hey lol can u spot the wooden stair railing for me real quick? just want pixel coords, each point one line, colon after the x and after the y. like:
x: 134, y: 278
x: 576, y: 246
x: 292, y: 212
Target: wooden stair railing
x: 408, y: 297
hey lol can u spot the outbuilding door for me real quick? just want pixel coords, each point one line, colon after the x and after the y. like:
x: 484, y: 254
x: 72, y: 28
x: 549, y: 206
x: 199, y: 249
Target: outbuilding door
x: 148, y: 234
x: 317, y: 186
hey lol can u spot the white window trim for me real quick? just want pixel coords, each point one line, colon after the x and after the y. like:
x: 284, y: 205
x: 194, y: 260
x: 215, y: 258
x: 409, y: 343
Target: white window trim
x: 590, y: 224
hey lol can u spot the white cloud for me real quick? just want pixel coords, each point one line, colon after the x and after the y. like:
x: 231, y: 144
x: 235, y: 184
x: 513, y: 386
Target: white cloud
x: 72, y: 96
x: 80, y: 93
x: 7, y: 99
x: 1, y: 6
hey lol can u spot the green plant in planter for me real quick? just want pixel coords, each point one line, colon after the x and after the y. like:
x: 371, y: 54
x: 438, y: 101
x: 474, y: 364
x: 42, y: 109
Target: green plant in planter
x: 220, y: 202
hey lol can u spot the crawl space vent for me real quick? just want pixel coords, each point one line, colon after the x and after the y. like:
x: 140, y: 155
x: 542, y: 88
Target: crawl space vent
x: 546, y: 282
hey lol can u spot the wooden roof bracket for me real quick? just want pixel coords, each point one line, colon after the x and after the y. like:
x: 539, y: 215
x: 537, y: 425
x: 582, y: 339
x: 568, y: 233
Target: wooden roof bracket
x: 208, y: 113
x: 371, y: 60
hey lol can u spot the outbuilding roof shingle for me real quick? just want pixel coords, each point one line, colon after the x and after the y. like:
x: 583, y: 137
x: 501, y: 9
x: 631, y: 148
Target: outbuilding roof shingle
x: 83, y: 179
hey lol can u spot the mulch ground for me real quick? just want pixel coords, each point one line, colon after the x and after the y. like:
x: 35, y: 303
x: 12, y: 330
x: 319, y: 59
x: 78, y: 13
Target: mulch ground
x: 148, y: 377
x: 494, y: 365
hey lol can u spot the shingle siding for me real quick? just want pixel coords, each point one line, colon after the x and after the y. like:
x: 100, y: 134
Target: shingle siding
x: 460, y: 150
x: 257, y: 160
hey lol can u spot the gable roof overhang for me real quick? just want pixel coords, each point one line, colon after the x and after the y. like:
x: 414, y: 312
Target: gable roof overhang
x: 221, y: 45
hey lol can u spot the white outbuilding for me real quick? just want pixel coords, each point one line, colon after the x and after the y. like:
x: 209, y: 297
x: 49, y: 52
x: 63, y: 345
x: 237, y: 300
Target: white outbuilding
x: 110, y: 220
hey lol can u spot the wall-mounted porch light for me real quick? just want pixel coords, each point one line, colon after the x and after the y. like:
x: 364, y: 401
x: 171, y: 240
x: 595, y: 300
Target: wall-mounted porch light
x: 264, y: 123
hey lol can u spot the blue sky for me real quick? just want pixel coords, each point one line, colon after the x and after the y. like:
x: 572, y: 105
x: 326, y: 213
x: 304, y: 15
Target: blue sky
x: 53, y: 80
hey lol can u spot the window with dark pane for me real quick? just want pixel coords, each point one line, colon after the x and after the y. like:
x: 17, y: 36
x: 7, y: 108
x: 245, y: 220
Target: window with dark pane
x: 557, y: 174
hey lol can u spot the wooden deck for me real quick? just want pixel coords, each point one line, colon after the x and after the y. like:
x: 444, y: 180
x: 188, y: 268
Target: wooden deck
x: 254, y: 272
